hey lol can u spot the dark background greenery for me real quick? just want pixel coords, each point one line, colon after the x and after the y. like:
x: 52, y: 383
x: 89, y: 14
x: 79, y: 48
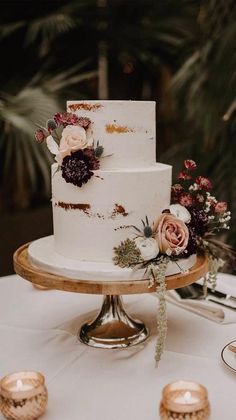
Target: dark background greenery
x: 180, y: 53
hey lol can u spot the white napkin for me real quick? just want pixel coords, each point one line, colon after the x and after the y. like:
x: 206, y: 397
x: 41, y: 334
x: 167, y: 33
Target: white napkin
x: 226, y: 283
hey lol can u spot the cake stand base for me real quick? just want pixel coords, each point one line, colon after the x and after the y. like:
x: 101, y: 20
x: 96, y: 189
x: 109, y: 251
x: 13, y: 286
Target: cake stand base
x: 113, y: 328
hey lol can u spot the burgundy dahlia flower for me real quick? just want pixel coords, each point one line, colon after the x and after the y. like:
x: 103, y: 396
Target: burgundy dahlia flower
x: 78, y: 167
x: 92, y: 159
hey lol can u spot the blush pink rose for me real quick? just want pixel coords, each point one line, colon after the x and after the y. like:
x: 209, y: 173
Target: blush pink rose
x: 74, y: 137
x: 171, y: 234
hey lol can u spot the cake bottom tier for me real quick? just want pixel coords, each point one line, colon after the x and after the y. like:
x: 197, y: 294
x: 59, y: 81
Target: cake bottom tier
x: 42, y: 254
x: 90, y: 221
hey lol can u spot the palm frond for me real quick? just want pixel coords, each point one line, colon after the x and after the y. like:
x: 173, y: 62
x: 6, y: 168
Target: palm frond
x: 23, y: 161
x: 61, y: 81
x: 47, y: 28
x: 26, y: 161
x: 30, y: 104
x: 9, y: 28
x: 205, y: 85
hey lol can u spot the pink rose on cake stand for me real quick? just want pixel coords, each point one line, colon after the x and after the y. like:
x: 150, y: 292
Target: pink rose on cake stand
x: 171, y: 234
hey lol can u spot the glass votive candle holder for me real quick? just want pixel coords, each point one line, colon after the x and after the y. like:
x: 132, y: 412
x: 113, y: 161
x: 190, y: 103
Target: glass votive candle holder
x: 24, y: 395
x: 184, y: 400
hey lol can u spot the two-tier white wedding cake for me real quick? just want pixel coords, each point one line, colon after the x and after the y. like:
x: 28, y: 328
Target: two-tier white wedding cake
x: 91, y: 219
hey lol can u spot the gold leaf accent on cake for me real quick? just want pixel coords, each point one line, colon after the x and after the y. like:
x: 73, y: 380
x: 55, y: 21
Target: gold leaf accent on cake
x: 119, y: 210
x: 71, y: 206
x: 115, y: 128
x: 85, y: 106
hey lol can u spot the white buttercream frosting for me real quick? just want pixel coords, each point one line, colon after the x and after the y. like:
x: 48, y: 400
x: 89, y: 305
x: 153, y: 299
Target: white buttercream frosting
x: 126, y: 129
x: 91, y: 220
x: 42, y: 254
x: 88, y: 221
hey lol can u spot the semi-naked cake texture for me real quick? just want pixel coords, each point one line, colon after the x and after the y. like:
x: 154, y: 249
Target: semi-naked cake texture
x: 90, y: 221
x: 128, y: 186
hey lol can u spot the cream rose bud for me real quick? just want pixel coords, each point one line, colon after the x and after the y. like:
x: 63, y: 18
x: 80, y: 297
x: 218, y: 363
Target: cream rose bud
x: 148, y: 247
x: 171, y: 234
x: 73, y: 138
x: 180, y: 212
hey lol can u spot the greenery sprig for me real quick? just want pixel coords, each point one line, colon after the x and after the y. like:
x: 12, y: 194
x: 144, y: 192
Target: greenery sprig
x: 157, y: 274
x: 127, y: 254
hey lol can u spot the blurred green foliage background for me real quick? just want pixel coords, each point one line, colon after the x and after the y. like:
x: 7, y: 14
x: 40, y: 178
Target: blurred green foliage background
x: 180, y: 53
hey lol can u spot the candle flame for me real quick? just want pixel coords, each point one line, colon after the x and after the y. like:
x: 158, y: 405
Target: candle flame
x: 19, y: 384
x: 187, y: 397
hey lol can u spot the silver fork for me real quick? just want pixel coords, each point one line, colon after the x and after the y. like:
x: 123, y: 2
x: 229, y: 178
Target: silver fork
x: 195, y: 291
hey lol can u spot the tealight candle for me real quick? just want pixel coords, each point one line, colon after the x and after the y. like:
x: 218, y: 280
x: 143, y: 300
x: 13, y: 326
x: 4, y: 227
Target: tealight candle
x: 20, y: 386
x: 184, y: 400
x: 24, y: 395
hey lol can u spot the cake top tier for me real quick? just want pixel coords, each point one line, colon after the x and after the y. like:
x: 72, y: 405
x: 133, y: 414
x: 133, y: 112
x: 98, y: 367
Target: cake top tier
x: 126, y: 129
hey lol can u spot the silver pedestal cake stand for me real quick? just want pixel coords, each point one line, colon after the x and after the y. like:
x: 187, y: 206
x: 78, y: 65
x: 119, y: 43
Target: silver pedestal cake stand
x: 113, y: 327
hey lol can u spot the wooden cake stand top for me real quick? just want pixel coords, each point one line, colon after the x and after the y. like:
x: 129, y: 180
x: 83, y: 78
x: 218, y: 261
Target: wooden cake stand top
x: 25, y: 269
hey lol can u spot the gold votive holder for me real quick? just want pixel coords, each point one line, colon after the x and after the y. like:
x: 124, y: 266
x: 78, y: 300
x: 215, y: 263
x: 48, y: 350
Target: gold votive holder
x: 184, y: 400
x: 24, y: 395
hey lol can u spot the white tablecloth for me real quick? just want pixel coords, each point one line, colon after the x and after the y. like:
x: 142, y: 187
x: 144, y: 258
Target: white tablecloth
x: 37, y: 332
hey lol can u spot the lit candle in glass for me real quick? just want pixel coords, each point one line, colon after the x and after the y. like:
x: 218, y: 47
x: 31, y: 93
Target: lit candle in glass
x: 24, y: 395
x: 184, y: 400
x: 20, y: 386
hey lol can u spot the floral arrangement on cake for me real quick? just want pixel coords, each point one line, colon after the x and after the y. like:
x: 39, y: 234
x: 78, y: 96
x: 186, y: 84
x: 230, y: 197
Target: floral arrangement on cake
x: 69, y: 138
x: 188, y: 226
